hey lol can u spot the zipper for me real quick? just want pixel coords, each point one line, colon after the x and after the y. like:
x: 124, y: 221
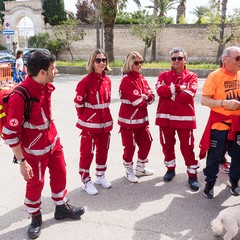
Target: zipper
x: 133, y: 115
x: 35, y: 140
x: 91, y: 117
x: 39, y: 171
x: 97, y: 96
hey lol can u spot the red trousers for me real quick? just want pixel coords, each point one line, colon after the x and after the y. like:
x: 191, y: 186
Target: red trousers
x: 130, y: 137
x: 57, y: 170
x: 88, y: 143
x: 186, y: 138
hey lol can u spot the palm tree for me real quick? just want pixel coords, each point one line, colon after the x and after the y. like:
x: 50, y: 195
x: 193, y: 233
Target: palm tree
x: 108, y: 14
x: 160, y: 8
x: 200, y: 12
x: 181, y: 10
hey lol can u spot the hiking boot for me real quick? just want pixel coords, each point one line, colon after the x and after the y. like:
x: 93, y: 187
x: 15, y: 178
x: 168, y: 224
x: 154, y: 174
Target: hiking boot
x: 169, y: 175
x: 131, y: 176
x: 101, y: 180
x: 193, y: 183
x: 34, y: 229
x: 145, y: 172
x: 208, y: 190
x: 234, y: 188
x: 89, y: 188
x: 68, y: 211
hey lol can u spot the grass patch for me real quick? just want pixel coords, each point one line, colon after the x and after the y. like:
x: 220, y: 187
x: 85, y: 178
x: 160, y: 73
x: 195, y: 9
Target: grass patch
x: 165, y: 65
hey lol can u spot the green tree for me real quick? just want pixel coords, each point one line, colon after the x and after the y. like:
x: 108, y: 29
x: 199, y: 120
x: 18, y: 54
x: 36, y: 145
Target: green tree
x: 43, y: 40
x: 181, y: 11
x: 160, y: 8
x: 2, y: 8
x: 147, y: 30
x: 54, y: 12
x: 67, y: 32
x: 85, y: 11
x: 108, y: 12
x: 201, y: 12
x: 219, y: 23
x: 235, y: 22
x: 89, y: 12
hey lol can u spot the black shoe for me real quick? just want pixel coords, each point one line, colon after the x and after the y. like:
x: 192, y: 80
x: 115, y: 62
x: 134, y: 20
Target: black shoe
x: 68, y: 211
x: 34, y: 229
x: 208, y: 190
x: 193, y: 183
x: 234, y: 188
x: 169, y: 175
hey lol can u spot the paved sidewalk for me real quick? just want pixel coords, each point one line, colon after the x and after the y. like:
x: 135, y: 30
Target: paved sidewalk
x: 150, y: 209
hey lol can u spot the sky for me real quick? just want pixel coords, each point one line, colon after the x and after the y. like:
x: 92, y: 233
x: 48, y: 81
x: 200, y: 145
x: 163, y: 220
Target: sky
x: 191, y: 4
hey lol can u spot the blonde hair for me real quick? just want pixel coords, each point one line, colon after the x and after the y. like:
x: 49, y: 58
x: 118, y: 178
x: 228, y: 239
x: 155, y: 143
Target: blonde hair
x: 91, y: 59
x: 127, y: 66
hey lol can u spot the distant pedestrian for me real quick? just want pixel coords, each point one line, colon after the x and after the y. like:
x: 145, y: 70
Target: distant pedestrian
x: 221, y: 93
x: 176, y: 114
x: 135, y: 96
x: 20, y: 72
x: 93, y: 96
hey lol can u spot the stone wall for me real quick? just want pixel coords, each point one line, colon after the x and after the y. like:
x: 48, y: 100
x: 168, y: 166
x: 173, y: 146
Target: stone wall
x: 193, y: 38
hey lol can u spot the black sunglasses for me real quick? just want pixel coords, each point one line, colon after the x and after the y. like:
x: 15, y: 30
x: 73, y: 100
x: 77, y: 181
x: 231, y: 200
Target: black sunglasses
x: 99, y: 60
x: 176, y: 58
x: 236, y: 58
x: 137, y: 63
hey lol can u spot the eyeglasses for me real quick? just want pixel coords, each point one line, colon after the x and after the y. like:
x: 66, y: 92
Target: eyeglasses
x: 99, y: 60
x: 138, y: 62
x: 176, y: 58
x: 236, y: 58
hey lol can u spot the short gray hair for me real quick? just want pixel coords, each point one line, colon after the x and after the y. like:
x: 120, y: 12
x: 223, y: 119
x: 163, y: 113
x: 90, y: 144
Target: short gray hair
x: 227, y: 51
x: 178, y: 49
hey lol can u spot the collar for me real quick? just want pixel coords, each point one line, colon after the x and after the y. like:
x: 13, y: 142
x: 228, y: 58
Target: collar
x: 133, y: 74
x: 36, y: 87
x: 224, y: 69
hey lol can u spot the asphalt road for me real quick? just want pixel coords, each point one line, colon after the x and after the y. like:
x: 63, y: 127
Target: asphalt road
x: 150, y: 209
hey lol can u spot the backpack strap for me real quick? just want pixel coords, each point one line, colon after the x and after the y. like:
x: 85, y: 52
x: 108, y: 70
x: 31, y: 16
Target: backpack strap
x: 24, y: 93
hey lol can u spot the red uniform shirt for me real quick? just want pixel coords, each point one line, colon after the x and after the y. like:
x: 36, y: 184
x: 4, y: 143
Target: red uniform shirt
x: 133, y: 110
x: 38, y: 135
x: 92, y: 103
x: 175, y: 107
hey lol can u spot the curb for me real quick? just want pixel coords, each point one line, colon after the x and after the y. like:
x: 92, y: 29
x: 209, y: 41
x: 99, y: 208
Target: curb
x: 151, y: 72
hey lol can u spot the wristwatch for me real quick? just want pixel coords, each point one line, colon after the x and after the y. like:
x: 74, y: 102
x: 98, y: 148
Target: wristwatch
x: 19, y: 161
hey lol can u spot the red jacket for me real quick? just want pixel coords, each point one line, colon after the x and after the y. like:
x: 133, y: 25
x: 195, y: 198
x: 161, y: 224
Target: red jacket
x: 38, y: 135
x: 213, y: 118
x: 175, y: 107
x: 133, y: 110
x: 92, y: 103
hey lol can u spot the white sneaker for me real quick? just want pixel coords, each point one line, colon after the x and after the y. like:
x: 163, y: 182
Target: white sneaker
x: 145, y: 172
x: 89, y: 188
x: 131, y: 176
x: 101, y: 180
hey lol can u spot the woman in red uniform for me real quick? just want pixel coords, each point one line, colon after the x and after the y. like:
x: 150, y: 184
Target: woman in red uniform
x: 135, y: 95
x: 94, y: 119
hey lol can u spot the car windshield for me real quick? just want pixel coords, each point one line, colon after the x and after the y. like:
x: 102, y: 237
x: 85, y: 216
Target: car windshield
x: 6, y: 56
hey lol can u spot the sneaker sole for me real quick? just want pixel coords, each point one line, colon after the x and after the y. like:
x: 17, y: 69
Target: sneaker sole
x: 102, y: 185
x: 209, y: 197
x: 90, y: 193
x: 143, y: 174
x: 130, y: 180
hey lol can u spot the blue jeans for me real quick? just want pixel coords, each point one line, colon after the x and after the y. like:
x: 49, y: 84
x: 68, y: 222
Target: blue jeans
x: 215, y: 153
